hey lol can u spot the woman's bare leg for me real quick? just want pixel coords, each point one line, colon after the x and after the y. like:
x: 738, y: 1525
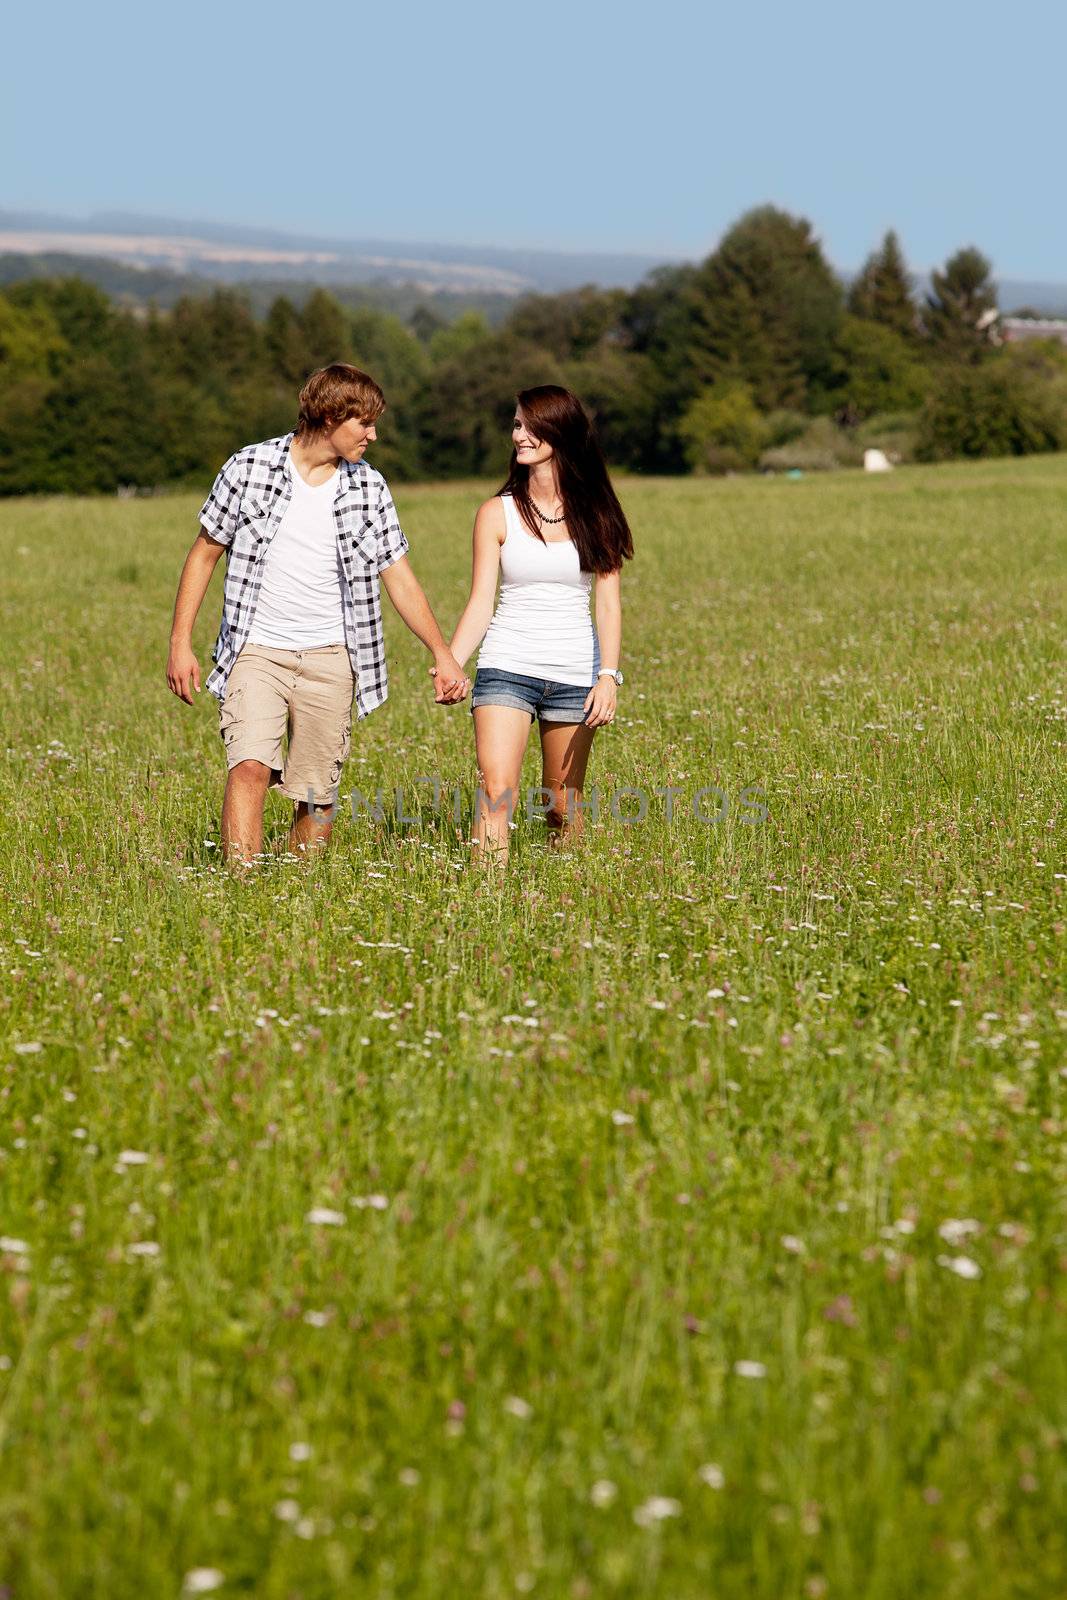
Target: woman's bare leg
x: 501, y: 734
x: 565, y: 748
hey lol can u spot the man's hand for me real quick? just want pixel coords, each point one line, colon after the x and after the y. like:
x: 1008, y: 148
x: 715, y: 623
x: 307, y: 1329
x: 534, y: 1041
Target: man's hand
x: 183, y: 671
x: 449, y: 682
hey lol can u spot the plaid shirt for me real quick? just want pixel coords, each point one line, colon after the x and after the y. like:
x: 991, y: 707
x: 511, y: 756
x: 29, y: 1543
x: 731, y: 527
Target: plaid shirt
x: 244, y: 511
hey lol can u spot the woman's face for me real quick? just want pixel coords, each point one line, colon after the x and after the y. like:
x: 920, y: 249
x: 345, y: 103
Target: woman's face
x: 529, y: 449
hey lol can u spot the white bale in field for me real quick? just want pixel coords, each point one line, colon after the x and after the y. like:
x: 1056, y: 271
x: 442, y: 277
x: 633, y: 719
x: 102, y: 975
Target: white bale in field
x: 876, y: 461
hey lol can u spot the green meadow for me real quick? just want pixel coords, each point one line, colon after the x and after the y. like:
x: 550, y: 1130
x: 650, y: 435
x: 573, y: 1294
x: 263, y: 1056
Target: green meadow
x: 681, y: 1215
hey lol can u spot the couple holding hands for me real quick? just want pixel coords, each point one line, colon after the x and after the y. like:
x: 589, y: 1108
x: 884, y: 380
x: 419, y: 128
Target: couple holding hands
x: 309, y: 529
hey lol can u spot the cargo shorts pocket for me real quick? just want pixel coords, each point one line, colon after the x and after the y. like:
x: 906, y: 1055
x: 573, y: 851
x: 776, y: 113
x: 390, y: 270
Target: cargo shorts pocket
x: 342, y: 754
x: 230, y: 713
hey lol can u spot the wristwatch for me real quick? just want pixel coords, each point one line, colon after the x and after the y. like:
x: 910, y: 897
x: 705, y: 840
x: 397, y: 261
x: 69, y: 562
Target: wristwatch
x: 611, y: 672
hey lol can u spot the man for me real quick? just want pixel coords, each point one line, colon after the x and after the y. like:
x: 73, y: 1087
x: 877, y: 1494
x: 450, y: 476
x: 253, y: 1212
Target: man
x: 308, y: 528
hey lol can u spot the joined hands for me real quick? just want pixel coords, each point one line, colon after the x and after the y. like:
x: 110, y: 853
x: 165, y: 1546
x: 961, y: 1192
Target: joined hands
x: 450, y: 683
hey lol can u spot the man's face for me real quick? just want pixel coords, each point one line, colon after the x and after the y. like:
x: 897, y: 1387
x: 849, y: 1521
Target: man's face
x: 350, y: 439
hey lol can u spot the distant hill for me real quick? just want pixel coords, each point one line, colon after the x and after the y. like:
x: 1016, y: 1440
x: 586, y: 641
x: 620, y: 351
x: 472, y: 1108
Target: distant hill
x: 140, y: 259
x: 233, y: 254
x: 138, y: 287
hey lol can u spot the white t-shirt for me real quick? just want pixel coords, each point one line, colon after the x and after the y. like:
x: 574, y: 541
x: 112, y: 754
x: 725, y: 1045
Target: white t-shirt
x: 299, y: 605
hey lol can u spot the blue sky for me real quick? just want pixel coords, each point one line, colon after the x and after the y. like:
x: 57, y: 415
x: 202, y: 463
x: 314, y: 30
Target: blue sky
x: 580, y: 125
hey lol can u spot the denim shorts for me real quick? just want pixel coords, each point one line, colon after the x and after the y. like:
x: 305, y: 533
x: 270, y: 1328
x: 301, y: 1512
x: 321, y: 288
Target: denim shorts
x: 552, y: 702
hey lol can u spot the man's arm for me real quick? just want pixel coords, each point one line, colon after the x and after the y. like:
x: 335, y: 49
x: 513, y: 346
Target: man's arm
x: 183, y: 669
x: 413, y: 608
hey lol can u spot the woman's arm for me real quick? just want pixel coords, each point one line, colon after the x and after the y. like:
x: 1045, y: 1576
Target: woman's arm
x: 600, y: 701
x: 608, y: 607
x: 489, y: 531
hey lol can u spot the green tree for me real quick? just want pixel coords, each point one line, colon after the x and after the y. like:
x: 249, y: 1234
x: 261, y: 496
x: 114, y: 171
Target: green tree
x: 883, y: 291
x: 286, y: 344
x: 84, y: 316
x: 383, y: 346
x: 455, y: 339
x: 623, y: 392
x: 765, y: 308
x: 878, y: 371
x: 212, y: 341
x: 998, y: 408
x: 722, y: 430
x: 324, y: 326
x: 31, y: 344
x: 465, y: 410
x: 962, y: 306
x: 424, y: 322
x: 569, y: 325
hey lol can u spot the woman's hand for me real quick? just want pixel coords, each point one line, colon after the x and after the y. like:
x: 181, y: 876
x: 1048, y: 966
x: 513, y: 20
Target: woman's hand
x: 450, y: 696
x: 600, y: 702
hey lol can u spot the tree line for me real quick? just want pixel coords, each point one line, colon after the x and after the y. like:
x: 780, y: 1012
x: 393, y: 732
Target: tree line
x: 758, y: 357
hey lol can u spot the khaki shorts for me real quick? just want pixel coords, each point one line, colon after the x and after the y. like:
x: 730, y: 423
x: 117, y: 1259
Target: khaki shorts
x: 305, y: 693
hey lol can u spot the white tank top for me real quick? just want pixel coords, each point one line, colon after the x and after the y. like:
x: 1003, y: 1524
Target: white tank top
x: 542, y: 627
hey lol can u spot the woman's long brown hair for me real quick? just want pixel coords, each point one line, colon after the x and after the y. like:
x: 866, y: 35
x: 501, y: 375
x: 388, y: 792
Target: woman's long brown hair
x: 595, y: 519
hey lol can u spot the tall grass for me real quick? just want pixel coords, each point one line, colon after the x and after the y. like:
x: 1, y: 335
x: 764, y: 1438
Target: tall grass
x: 698, y: 1193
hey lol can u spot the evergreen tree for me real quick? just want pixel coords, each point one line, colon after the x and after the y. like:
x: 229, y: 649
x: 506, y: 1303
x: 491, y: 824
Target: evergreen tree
x: 466, y: 408
x: 424, y: 323
x: 570, y: 324
x: 878, y: 371
x: 287, y: 349
x: 960, y: 311
x: 764, y: 309
x: 212, y: 341
x: 324, y: 326
x: 464, y: 333
x: 883, y: 291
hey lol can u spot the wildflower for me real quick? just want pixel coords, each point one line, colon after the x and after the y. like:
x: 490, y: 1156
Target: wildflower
x: 13, y: 1247
x: 621, y: 1119
x: 322, y: 1216
x: 656, y: 1509
x: 32, y: 1047
x: 603, y: 1493
x: 371, y: 1202
x: 287, y: 1511
x: 712, y: 1475
x: 517, y: 1407
x: 962, y: 1266
x: 144, y: 1247
x: 410, y: 1477
x: 201, y: 1580
x: 133, y: 1158
x: 841, y: 1310
x: 750, y: 1369
x: 956, y: 1229
x: 299, y: 1452
x: 790, y: 1242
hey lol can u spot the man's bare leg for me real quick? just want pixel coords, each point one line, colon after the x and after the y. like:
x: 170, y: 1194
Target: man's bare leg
x: 242, y: 812
x: 312, y: 826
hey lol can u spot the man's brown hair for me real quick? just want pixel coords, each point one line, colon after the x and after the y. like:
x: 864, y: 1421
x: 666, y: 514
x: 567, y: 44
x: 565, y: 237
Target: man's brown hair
x: 335, y: 393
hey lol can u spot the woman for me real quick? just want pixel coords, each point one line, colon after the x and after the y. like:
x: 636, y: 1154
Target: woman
x: 554, y: 525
